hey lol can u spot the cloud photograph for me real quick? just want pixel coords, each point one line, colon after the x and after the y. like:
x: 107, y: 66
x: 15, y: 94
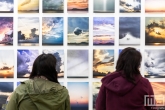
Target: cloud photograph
x: 79, y: 97
x: 28, y: 6
x: 78, y: 31
x: 25, y: 59
x: 28, y: 31
x: 129, y: 31
x: 53, y: 6
x: 103, y: 31
x: 59, y: 55
x: 103, y: 62
x: 95, y: 91
x: 6, y: 31
x: 130, y: 6
x: 155, y: 31
x: 6, y: 6
x: 154, y: 63
x: 77, y: 64
x: 52, y: 30
x: 104, y: 6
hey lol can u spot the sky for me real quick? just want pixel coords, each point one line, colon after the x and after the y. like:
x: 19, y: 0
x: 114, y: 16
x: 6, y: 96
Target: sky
x: 155, y: 61
x: 6, y: 5
x: 101, y: 60
x: 6, y: 25
x: 25, y: 59
x: 52, y: 3
x: 158, y: 88
x: 61, y: 55
x: 104, y: 5
x: 6, y: 56
x: 77, y: 63
x: 79, y: 4
x: 25, y: 24
x: 28, y: 4
x: 155, y: 5
x: 6, y: 87
x: 129, y: 25
x: 95, y: 87
x: 52, y: 30
x: 150, y: 20
x: 79, y: 93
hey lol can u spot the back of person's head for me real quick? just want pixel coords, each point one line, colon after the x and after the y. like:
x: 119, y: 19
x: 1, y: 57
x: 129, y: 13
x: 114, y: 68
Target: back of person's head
x: 129, y: 62
x: 45, y: 65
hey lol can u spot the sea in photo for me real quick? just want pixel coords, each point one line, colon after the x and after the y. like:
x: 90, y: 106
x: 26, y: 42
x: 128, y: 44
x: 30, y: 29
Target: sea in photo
x: 154, y: 62
x: 78, y: 31
x: 129, y: 31
x: 79, y: 97
x: 103, y: 62
x: 155, y: 31
x: 77, y: 64
x: 6, y: 63
x: 130, y: 6
x: 6, y: 6
x: 53, y: 6
x: 59, y: 55
x: 25, y: 59
x: 28, y: 31
x: 104, y: 6
x: 103, y: 31
x: 52, y: 31
x: 6, y: 31
x: 28, y: 6
x: 77, y: 6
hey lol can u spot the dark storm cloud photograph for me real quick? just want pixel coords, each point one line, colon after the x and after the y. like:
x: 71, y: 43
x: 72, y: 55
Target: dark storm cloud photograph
x: 25, y: 59
x: 77, y: 64
x: 154, y: 63
x: 53, y: 6
x: 6, y: 6
x: 129, y: 31
x: 78, y: 31
x: 6, y: 88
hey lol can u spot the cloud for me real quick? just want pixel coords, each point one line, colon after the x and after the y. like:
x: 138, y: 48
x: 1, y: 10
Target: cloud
x: 6, y: 6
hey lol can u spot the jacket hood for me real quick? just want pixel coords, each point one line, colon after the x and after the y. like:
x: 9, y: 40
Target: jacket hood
x: 116, y: 83
x: 46, y: 94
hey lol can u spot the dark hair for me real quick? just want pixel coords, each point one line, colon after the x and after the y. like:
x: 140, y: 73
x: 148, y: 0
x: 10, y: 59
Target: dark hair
x: 129, y: 62
x: 45, y: 65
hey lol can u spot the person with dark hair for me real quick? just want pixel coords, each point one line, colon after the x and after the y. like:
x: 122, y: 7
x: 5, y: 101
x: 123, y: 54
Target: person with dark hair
x: 42, y: 91
x: 125, y: 89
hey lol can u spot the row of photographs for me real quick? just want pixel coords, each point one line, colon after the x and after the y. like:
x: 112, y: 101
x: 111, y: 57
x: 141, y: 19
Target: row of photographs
x: 78, y: 31
x: 82, y: 6
x: 79, y: 98
x: 78, y: 63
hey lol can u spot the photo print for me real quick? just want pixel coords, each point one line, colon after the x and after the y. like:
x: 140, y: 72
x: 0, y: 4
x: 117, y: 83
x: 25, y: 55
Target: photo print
x: 77, y: 64
x: 130, y: 6
x: 154, y: 63
x: 6, y: 6
x: 155, y: 6
x: 59, y: 55
x: 103, y: 31
x: 155, y: 31
x: 6, y: 63
x: 78, y: 31
x: 28, y: 31
x: 52, y: 30
x: 129, y: 31
x: 6, y: 31
x: 28, y: 6
x: 6, y: 88
x: 53, y: 6
x: 77, y: 6
x: 95, y: 91
x: 79, y: 95
x: 103, y: 62
x: 25, y: 59
x: 159, y: 92
x: 104, y: 6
